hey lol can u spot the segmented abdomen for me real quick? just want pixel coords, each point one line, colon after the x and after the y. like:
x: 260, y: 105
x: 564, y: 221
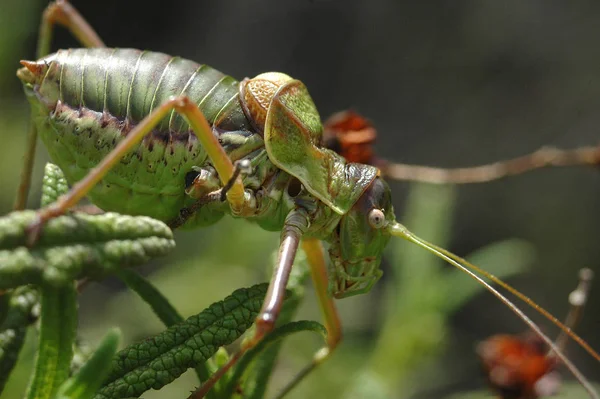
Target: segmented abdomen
x: 96, y: 96
x: 129, y: 84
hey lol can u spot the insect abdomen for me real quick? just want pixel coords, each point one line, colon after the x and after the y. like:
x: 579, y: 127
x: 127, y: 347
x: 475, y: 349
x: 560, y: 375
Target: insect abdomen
x: 129, y: 84
x: 91, y: 98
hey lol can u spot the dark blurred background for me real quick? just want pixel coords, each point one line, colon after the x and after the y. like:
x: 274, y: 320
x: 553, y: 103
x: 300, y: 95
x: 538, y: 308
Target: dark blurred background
x: 447, y: 83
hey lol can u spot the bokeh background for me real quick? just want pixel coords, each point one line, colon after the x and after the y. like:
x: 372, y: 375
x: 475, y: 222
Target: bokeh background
x: 447, y: 83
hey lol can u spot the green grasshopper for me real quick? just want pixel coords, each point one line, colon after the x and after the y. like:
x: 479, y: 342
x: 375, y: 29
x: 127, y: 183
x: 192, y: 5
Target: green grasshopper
x: 146, y: 133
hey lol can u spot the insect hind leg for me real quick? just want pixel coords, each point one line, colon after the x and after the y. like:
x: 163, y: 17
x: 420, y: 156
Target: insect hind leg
x: 61, y: 12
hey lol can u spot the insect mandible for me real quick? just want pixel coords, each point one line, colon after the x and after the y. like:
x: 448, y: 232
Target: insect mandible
x: 187, y: 144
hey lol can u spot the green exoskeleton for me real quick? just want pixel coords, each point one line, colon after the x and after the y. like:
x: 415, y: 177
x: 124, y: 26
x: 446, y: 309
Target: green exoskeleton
x: 146, y: 133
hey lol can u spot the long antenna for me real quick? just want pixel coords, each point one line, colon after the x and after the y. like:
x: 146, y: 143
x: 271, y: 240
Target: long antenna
x: 353, y: 136
x: 544, y: 157
x: 399, y: 230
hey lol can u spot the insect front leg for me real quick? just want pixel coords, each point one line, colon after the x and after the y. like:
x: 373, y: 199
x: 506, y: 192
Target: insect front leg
x: 294, y: 227
x: 318, y: 271
x: 207, y: 179
x: 190, y: 111
x: 62, y: 13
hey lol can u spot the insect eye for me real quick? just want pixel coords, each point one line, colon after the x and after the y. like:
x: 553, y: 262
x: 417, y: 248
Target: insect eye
x: 376, y: 218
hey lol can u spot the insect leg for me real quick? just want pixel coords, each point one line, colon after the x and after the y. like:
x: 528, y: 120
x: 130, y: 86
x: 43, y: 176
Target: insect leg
x: 62, y: 13
x: 295, y: 224
x: 183, y: 105
x: 542, y: 158
x: 242, y: 167
x: 318, y: 270
x: 188, y: 212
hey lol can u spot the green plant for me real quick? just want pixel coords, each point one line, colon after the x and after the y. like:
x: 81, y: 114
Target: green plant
x: 77, y: 247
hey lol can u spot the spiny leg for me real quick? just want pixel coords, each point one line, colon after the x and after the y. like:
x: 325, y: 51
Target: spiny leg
x: 318, y: 270
x: 295, y: 224
x: 201, y: 128
x: 61, y: 13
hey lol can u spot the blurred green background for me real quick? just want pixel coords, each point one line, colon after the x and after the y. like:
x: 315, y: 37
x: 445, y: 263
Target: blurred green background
x: 449, y: 83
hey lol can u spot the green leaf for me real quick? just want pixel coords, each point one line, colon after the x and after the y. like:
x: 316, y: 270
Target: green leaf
x: 277, y: 335
x: 159, y: 304
x: 20, y: 305
x: 13, y: 328
x: 155, y: 362
x: 91, y: 376
x: 75, y: 246
x: 153, y: 297
x: 54, y: 184
x: 257, y: 377
x: 11, y: 341
x: 82, y: 352
x: 58, y: 329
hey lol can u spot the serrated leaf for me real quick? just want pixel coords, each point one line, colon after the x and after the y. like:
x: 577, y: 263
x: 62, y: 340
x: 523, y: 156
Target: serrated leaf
x: 58, y: 329
x: 157, y: 361
x: 54, y: 184
x: 91, y: 376
x: 75, y: 246
x: 160, y: 306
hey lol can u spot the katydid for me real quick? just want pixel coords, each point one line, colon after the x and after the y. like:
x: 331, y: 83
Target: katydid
x: 142, y: 132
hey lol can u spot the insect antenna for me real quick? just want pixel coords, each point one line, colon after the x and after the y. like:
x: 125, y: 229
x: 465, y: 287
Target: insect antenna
x: 519, y: 366
x: 399, y: 230
x: 544, y: 157
x: 353, y: 136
